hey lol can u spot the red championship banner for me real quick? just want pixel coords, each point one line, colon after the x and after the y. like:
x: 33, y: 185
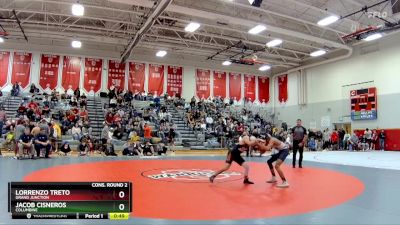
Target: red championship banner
x: 283, y: 89
x: 219, y: 84
x: 71, y: 73
x: 4, y: 61
x: 263, y: 89
x: 49, y: 71
x: 174, y: 82
x: 203, y: 83
x: 92, y: 77
x: 250, y: 87
x: 21, y: 68
x: 156, y: 79
x: 136, y: 77
x: 235, y: 86
x: 116, y: 74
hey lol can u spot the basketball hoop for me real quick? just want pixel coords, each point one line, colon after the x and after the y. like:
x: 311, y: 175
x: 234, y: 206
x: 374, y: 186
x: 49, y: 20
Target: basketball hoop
x: 3, y: 34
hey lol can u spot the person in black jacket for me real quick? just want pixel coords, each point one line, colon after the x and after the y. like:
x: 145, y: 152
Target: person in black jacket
x: 382, y: 138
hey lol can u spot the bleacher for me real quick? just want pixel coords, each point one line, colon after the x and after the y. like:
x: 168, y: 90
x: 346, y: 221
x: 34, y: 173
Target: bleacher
x: 188, y: 139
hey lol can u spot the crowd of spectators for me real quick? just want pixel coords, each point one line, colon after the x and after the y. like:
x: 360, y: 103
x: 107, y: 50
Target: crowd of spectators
x: 340, y: 139
x: 43, y: 118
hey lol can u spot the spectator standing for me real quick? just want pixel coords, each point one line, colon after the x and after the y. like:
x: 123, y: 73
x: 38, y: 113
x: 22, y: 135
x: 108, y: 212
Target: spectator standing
x: 368, y: 137
x: 105, y: 134
x: 341, y: 134
x: 334, y: 140
x: 374, y: 140
x: 382, y: 138
x: 147, y: 132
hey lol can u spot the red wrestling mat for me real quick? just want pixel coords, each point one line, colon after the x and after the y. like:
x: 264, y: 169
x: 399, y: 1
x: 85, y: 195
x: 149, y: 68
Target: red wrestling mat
x: 178, y: 189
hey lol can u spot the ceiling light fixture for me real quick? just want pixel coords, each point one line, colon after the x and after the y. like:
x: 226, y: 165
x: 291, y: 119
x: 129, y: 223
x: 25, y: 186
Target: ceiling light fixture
x: 274, y: 43
x: 264, y: 68
x: 161, y: 53
x: 78, y: 9
x: 227, y: 63
x: 257, y: 29
x: 373, y: 37
x: 76, y: 44
x: 318, y: 53
x: 328, y: 20
x: 192, y: 27
x: 1, y: 39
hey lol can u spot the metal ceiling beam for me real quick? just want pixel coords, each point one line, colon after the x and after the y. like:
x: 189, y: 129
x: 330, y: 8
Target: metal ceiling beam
x: 234, y: 20
x: 102, y: 29
x: 160, y: 8
x: 270, y: 12
x: 319, y: 10
x: 68, y: 16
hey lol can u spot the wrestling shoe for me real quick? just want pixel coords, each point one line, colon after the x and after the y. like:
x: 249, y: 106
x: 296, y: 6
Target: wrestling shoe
x: 272, y: 181
x: 212, y: 178
x: 247, y: 181
x: 284, y: 184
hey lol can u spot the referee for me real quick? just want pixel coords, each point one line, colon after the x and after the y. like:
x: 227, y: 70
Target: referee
x: 299, y: 137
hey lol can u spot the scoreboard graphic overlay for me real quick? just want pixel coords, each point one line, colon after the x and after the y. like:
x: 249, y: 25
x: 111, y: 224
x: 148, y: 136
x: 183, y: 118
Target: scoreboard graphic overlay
x: 76, y: 200
x: 364, y: 104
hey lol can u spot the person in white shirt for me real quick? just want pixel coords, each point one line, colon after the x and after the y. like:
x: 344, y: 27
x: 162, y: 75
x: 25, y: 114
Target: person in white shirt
x: 70, y: 92
x: 76, y: 132
x: 209, y: 121
x: 226, y: 101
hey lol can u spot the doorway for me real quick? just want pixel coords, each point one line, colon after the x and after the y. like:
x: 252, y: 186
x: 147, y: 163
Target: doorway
x: 344, y: 126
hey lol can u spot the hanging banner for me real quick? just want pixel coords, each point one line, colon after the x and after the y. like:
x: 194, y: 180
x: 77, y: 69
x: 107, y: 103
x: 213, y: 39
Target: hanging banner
x: 203, y: 83
x: 116, y: 74
x: 156, y: 79
x: 4, y: 62
x: 235, y: 86
x: 219, y: 84
x: 174, y: 82
x: 250, y: 87
x: 21, y: 68
x: 71, y: 73
x: 92, y: 77
x: 263, y: 89
x: 136, y: 77
x: 283, y: 89
x: 49, y: 71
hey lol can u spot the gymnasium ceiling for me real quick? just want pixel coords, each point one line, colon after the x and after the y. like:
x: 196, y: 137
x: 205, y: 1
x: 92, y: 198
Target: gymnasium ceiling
x: 112, y: 24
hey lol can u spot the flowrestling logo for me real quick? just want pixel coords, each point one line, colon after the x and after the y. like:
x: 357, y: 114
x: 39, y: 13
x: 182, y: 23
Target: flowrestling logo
x: 190, y: 175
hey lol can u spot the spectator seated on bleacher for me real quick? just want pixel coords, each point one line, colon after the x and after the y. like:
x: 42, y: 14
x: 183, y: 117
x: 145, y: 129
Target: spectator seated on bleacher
x: 76, y: 132
x: 33, y: 89
x: 15, y: 90
x: 9, y: 142
x: 21, y: 110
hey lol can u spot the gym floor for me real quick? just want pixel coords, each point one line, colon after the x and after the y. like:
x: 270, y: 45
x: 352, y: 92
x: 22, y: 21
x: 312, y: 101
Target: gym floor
x: 332, y: 188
